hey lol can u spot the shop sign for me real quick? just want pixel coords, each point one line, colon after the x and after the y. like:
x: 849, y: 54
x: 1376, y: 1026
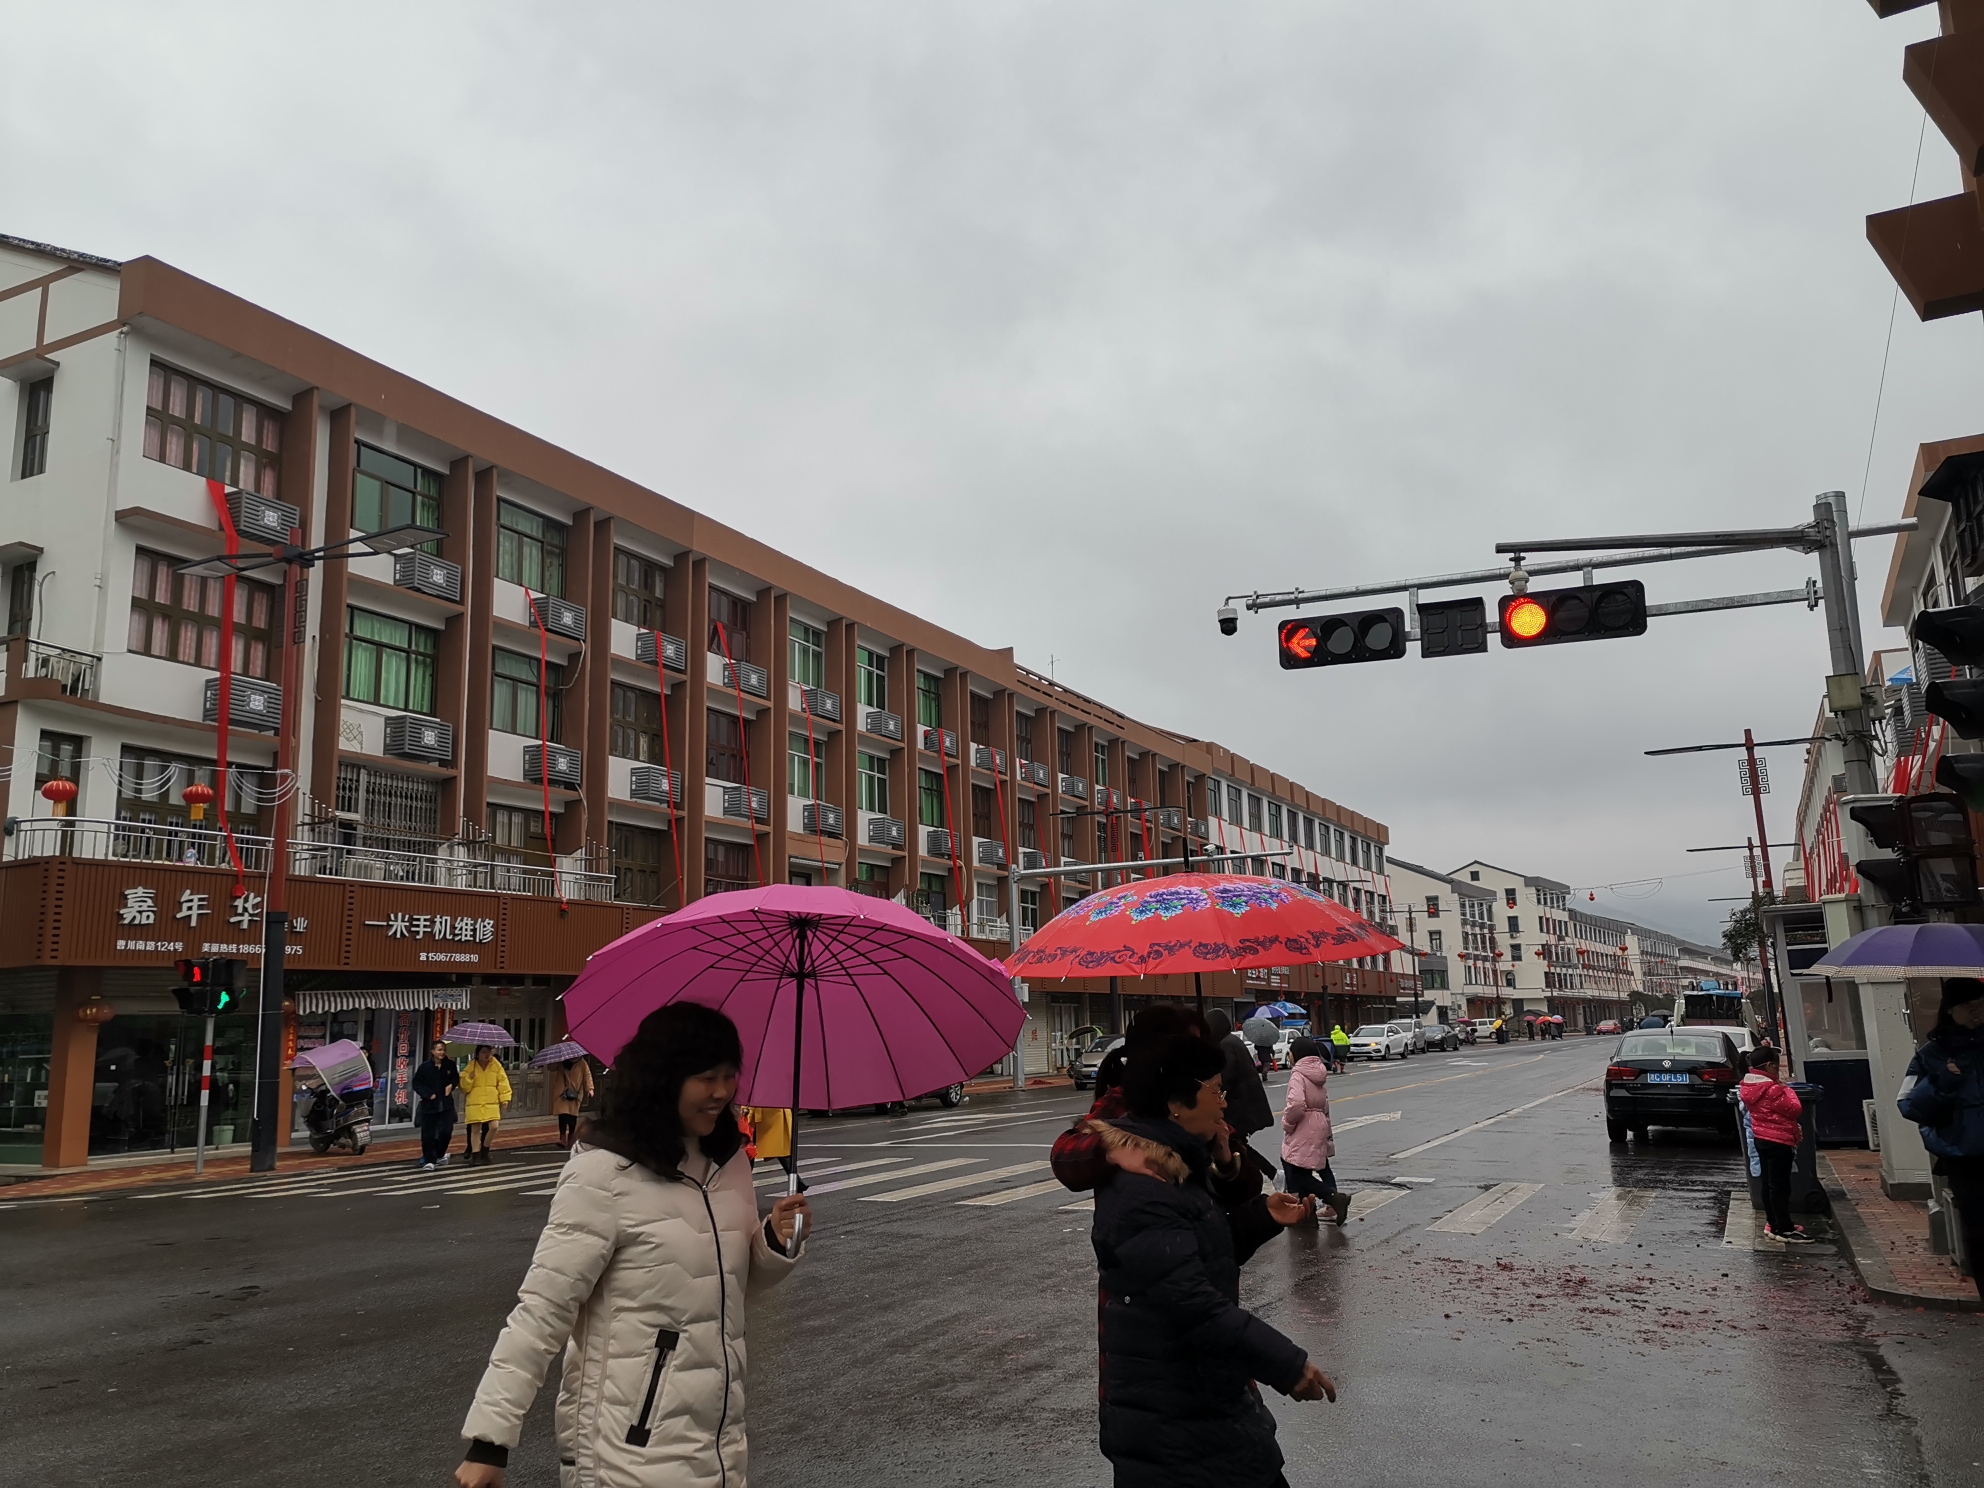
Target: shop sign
x: 140, y: 908
x: 446, y: 929
x: 402, y: 1063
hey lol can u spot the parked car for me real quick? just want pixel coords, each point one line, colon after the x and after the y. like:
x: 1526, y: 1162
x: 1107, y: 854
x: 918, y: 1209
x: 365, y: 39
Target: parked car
x: 1090, y: 1060
x: 1740, y: 1036
x: 1671, y: 1077
x: 1440, y: 1036
x: 1415, y: 1034
x: 1379, y: 1041
x: 1610, y: 1025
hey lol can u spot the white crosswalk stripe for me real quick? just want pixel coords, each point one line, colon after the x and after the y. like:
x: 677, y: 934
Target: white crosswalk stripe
x: 1367, y: 1199
x: 777, y: 1180
x: 942, y: 1185
x: 1612, y: 1218
x: 1078, y: 1205
x: 1354, y: 1122
x: 889, y: 1177
x: 1477, y: 1214
x: 1007, y: 1195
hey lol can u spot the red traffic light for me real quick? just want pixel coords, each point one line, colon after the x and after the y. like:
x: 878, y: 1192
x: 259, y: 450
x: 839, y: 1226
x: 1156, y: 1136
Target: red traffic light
x: 1334, y: 640
x: 1525, y: 619
x: 1591, y: 612
x: 191, y: 973
x: 1298, y: 643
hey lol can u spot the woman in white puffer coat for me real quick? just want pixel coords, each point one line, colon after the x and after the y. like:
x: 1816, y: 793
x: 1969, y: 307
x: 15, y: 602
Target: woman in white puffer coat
x: 653, y: 1243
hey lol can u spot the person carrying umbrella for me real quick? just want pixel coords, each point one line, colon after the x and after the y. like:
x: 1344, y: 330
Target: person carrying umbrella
x: 1943, y: 1094
x: 640, y: 1278
x: 1247, y: 1108
x: 434, y: 1083
x: 571, y: 1082
x: 1179, y: 1354
x: 485, y: 1093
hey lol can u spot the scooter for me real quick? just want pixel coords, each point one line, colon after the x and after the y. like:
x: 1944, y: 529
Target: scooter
x: 339, y: 1120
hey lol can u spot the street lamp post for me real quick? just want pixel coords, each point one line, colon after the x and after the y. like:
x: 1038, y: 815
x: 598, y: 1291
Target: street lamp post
x: 293, y: 560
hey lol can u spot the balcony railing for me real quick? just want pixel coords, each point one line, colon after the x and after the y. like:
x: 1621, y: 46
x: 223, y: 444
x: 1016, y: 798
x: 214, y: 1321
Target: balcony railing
x: 74, y: 673
x: 453, y: 865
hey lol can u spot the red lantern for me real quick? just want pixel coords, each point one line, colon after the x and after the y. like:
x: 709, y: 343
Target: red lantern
x: 59, y: 793
x: 197, y: 796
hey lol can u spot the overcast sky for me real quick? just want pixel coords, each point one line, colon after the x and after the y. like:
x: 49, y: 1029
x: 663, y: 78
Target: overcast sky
x: 1057, y: 323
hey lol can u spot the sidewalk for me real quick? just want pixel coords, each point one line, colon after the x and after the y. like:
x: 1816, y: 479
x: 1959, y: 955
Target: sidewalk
x: 1888, y: 1239
x: 525, y: 1131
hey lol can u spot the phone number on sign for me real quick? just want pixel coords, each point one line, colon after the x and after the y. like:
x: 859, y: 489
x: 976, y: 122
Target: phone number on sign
x: 469, y: 956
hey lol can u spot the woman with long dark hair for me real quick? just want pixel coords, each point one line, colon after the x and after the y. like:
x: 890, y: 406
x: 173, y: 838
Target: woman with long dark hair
x: 653, y: 1242
x: 1944, y: 1095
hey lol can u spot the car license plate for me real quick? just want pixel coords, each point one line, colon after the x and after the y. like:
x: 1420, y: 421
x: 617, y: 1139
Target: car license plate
x: 1666, y: 1077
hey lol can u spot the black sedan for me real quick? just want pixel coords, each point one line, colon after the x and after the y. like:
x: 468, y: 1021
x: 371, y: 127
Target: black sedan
x: 1671, y: 1077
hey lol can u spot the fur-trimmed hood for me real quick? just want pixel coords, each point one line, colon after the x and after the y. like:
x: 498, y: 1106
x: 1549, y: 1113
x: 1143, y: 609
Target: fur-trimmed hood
x: 1162, y: 1156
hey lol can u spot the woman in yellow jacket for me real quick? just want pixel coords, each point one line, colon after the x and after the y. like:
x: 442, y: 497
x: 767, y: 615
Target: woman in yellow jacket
x: 771, y: 1134
x: 485, y: 1087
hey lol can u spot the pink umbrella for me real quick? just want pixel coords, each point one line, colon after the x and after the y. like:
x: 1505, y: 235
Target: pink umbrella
x: 841, y: 999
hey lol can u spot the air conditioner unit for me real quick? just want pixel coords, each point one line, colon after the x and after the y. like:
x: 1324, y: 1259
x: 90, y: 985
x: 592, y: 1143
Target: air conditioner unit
x: 560, y: 616
x: 1074, y: 863
x: 820, y: 703
x: 882, y: 725
x: 991, y: 854
x: 936, y: 842
x: 423, y: 573
x: 409, y: 736
x: 674, y: 650
x: 747, y: 678
x: 251, y: 704
x: 746, y: 805
x: 985, y: 757
x: 1035, y: 771
x: 1074, y: 785
x: 885, y: 831
x: 1171, y: 818
x: 823, y: 818
x: 260, y: 519
x: 653, y: 784
x: 556, y: 763
x: 1031, y: 858
x: 1201, y: 828
x: 939, y: 741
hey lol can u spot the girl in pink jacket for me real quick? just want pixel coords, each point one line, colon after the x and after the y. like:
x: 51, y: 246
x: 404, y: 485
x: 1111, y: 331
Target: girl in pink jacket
x: 1306, y: 1144
x: 1774, y: 1126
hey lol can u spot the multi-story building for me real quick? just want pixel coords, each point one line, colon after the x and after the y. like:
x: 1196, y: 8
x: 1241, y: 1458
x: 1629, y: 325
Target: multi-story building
x: 1532, y: 917
x: 1449, y: 923
x: 578, y: 706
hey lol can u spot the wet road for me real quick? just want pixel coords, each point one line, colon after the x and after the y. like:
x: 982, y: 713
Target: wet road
x: 1514, y: 1299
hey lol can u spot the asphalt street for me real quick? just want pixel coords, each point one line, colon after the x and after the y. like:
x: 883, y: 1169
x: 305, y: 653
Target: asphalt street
x: 1513, y: 1299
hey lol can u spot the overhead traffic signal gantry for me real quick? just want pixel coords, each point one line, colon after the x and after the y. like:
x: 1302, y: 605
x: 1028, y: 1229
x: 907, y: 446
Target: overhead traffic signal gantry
x: 1336, y: 640
x: 1590, y: 612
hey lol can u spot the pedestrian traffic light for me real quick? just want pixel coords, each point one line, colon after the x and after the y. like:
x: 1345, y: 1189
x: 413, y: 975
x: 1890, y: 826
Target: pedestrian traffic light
x: 1591, y: 612
x: 1330, y: 640
x: 208, y: 985
x: 1935, y: 862
x: 1453, y: 627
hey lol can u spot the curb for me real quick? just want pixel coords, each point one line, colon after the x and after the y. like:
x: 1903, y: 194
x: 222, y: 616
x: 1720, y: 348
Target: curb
x: 1865, y: 1253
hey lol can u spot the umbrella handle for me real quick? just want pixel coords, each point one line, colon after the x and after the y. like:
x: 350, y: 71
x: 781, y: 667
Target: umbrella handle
x: 798, y: 1220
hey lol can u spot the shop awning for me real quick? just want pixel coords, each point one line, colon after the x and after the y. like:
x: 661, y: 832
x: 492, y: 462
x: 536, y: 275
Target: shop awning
x: 397, y: 999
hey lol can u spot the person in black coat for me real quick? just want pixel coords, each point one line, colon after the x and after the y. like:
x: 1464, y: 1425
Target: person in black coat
x: 1180, y: 1356
x: 1247, y: 1109
x: 1944, y: 1094
x: 434, y: 1083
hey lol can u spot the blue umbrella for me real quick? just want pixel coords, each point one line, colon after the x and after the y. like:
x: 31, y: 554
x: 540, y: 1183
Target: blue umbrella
x: 1891, y: 953
x: 1279, y: 1010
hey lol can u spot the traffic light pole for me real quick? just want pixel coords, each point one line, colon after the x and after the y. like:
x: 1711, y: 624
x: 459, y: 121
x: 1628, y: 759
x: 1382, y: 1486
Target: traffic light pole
x: 206, y: 1084
x: 268, y: 1120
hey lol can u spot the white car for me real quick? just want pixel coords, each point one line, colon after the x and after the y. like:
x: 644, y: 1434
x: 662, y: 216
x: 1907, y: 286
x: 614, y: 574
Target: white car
x: 1380, y: 1041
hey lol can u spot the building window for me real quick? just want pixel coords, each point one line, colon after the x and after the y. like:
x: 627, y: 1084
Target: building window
x: 1309, y: 833
x: 636, y: 731
x: 1338, y: 833
x: 20, y: 598
x: 933, y: 892
x: 1068, y: 837
x: 807, y: 650
x: 1065, y: 751
x: 1023, y: 734
x: 638, y: 585
x: 1274, y: 819
x: 638, y: 854
x: 727, y: 866
x: 985, y: 902
x: 389, y: 662
x: 517, y: 835
x: 1233, y: 807
x: 724, y: 757
x: 530, y: 549
x: 513, y: 696
x: 1435, y: 942
x: 805, y: 767
x: 872, y: 782
x: 1254, y: 804
x: 871, y: 678
x: 1029, y: 824
x: 1212, y: 799
x: 1509, y: 898
x: 1377, y: 857
x: 220, y: 435
x: 1432, y: 906
x: 730, y: 625
x: 1101, y: 776
x: 60, y: 757
x: 38, y: 402
x: 1029, y: 911
x: 176, y: 617
x: 929, y: 701
x: 871, y: 879
x: 391, y: 807
x: 983, y: 820
x: 930, y: 798
x: 151, y: 791
x: 981, y: 719
x: 387, y: 491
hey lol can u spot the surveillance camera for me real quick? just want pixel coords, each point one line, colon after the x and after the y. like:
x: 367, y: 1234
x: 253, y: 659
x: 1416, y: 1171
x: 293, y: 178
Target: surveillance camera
x: 1229, y: 620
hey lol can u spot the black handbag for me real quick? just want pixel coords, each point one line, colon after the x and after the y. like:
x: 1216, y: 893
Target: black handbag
x: 568, y: 1093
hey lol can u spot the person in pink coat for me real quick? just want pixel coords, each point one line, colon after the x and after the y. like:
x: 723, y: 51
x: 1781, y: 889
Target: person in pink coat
x: 1774, y: 1125
x: 1306, y: 1143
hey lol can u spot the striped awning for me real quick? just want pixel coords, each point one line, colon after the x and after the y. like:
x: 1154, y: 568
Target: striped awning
x: 395, y: 999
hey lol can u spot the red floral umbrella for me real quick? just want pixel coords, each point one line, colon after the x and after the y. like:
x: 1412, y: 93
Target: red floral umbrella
x: 1197, y: 922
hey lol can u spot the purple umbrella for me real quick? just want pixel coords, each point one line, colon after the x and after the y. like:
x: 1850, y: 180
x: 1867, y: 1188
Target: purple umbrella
x: 1893, y: 953
x: 840, y: 999
x: 557, y: 1054
x: 492, y: 1034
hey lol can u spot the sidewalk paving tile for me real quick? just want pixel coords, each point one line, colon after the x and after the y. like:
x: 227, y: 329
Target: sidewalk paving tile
x: 1889, y: 1238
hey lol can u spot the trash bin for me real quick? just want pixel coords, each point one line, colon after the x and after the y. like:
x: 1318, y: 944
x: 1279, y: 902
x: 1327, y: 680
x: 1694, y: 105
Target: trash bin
x: 1808, y: 1195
